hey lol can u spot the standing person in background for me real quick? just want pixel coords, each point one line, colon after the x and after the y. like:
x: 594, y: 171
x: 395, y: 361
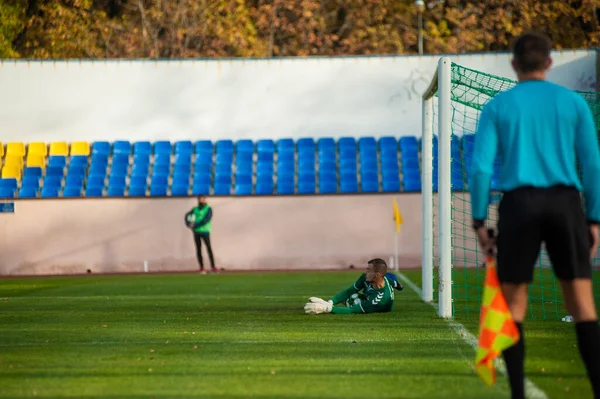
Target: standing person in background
x: 199, y: 221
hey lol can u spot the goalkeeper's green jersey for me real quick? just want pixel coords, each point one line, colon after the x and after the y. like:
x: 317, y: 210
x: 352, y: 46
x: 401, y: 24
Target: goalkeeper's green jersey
x: 375, y: 300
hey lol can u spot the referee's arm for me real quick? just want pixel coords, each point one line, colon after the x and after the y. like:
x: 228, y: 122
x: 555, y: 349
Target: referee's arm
x: 482, y: 167
x: 588, y: 153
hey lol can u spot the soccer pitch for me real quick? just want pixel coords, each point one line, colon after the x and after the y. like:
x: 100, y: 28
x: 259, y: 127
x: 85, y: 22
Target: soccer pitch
x: 244, y: 335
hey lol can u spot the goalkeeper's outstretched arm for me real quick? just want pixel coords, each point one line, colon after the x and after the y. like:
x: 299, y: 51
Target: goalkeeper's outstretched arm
x: 342, y: 296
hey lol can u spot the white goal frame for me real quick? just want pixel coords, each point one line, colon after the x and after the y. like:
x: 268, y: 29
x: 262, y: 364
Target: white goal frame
x: 440, y: 84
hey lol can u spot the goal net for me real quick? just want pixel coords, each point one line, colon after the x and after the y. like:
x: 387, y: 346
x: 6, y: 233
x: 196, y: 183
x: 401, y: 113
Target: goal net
x: 453, y: 265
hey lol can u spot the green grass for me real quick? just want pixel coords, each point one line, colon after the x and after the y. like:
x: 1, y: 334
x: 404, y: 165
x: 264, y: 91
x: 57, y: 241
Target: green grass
x: 245, y: 336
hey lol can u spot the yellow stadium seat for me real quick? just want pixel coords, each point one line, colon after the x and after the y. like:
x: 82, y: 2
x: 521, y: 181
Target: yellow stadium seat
x: 37, y: 149
x: 13, y: 160
x: 11, y: 172
x: 80, y: 148
x: 1, y: 149
x: 15, y: 148
x: 59, y: 148
x: 36, y: 161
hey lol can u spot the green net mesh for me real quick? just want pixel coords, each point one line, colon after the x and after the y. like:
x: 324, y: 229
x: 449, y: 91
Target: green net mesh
x: 471, y: 90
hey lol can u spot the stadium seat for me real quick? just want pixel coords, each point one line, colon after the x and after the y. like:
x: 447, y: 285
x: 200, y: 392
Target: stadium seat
x: 80, y: 148
x: 223, y: 169
x: 200, y: 189
x: 306, y: 144
x: 78, y: 160
x: 37, y: 172
x: 12, y: 160
x: 7, y: 192
x: 72, y: 191
x: 265, y: 157
x: 243, y: 189
x: 137, y: 191
x: 121, y: 147
x: 116, y: 181
x: 244, y: 145
x: 15, y: 149
x: 53, y: 181
x: 222, y: 189
x: 97, y: 170
x: 9, y: 183
x: 163, y: 147
x: 347, y: 143
x: 285, y: 144
x: 391, y: 184
x: 11, y: 172
x: 367, y: 143
x: 28, y: 192
x: 184, y: 147
x: 244, y: 157
x: 96, y: 181
x: 101, y: 148
x: 162, y: 160
x: 115, y: 191
x: 180, y: 190
x: 327, y: 183
x: 205, y: 168
x: 326, y: 144
x: 119, y: 169
x: 74, y: 181
x: 306, y: 183
x: 265, y: 145
x: 36, y: 161
x: 182, y: 170
x: 94, y: 191
x: 50, y: 191
x: 369, y: 182
x: 37, y: 149
x: 264, y: 187
x: 59, y: 148
x: 99, y: 159
x: 138, y: 186
x: 31, y: 181
x: 388, y: 142
x: 55, y: 171
x: 76, y: 170
x: 183, y: 159
x: 204, y: 146
x: 412, y: 184
x: 57, y: 161
x: 142, y: 148
x: 224, y: 146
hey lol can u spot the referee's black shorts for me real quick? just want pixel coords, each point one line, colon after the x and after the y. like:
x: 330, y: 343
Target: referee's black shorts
x: 527, y: 217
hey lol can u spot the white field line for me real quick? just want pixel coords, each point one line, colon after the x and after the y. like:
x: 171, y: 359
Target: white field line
x: 531, y: 390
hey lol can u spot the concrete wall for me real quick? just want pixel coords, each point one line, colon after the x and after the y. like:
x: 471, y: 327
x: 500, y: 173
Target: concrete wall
x: 116, y: 235
x: 212, y: 99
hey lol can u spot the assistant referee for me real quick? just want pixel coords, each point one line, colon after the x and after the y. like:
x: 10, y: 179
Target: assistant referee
x: 539, y: 129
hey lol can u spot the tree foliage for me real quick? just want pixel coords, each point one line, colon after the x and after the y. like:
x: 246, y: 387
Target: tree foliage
x: 265, y: 28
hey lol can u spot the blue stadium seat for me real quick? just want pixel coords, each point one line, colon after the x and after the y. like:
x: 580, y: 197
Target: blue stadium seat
x: 327, y: 183
x: 119, y: 169
x: 55, y: 171
x: 115, y: 191
x: 142, y: 148
x: 201, y: 166
x: 265, y: 157
x: 223, y: 169
x: 306, y: 144
x: 99, y: 160
x: 94, y: 191
x: 348, y: 182
x: 7, y: 192
x: 205, y: 146
x: 74, y: 181
x: 28, y: 192
x: 408, y: 142
x: 285, y: 182
x: 222, y: 189
x: 182, y: 170
x: 369, y: 182
x: 101, y: 148
x: 225, y: 145
x: 161, y: 170
x: 367, y: 143
x: 412, y: 183
x: 50, y: 191
x: 78, y: 160
x: 30, y: 182
x: 121, y: 147
x: 96, y: 181
x: 200, y: 189
x: 8, y: 183
x: 265, y: 145
x: 183, y: 159
x: 58, y: 161
x: 37, y: 172
x: 285, y: 144
x: 286, y: 167
x: 180, y: 189
x: 158, y: 190
x: 72, y: 191
x: 162, y: 159
x: 244, y: 145
x: 410, y: 164
x: 223, y: 178
x: 53, y: 181
x: 120, y: 159
x: 76, y: 170
x: 306, y: 183
x: 347, y: 143
x: 326, y: 144
x: 140, y: 170
x: 265, y: 167
x: 138, y: 185
x: 184, y: 147
x: 388, y: 143
x: 391, y: 184
x: 264, y: 187
x: 163, y: 147
x: 244, y: 157
x: 243, y: 189
x: 159, y: 180
x: 116, y: 181
x: 224, y: 158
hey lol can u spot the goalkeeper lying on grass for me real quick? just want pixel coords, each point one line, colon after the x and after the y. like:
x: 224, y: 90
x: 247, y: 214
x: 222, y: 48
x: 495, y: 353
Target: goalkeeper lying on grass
x: 377, y: 296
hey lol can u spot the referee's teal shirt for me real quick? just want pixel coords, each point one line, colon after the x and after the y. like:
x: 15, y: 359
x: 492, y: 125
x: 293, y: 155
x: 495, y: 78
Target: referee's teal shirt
x: 539, y: 129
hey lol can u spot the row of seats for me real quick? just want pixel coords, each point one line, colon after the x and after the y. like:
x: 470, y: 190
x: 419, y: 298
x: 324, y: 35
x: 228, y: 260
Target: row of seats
x: 183, y: 168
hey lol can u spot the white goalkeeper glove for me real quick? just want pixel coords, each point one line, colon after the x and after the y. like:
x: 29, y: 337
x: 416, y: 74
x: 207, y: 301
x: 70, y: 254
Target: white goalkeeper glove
x: 318, y: 305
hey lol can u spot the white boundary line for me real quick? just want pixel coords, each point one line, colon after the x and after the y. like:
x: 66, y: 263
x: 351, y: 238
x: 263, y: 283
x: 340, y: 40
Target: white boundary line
x: 531, y: 390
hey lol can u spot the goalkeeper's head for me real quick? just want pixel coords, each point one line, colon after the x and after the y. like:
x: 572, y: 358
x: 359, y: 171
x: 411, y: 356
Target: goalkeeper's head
x: 376, y: 269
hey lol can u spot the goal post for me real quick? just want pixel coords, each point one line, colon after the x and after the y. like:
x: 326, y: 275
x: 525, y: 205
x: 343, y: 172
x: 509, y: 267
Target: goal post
x: 440, y: 87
